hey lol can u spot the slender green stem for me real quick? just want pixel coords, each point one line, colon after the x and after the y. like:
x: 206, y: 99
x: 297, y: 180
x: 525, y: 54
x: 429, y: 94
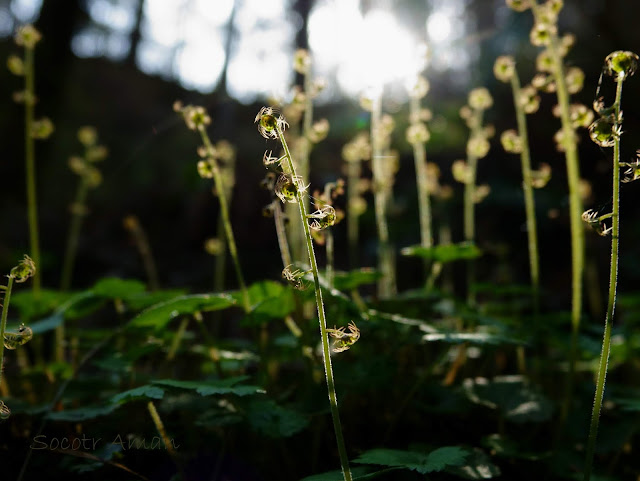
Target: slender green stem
x: 424, y: 205
x: 3, y: 322
x: 386, y: 283
x: 326, y: 353
x: 278, y: 218
x: 30, y: 163
x: 144, y: 248
x: 220, y: 268
x: 613, y: 284
x: 469, y: 203
x: 575, y: 213
x: 529, y: 202
x: 353, y: 176
x: 224, y: 212
x: 78, y: 207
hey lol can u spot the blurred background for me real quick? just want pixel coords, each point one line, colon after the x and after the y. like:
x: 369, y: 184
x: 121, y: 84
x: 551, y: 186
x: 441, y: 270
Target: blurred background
x: 119, y: 65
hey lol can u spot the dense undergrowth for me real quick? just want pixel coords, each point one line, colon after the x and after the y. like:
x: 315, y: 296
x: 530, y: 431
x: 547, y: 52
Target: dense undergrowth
x: 124, y: 379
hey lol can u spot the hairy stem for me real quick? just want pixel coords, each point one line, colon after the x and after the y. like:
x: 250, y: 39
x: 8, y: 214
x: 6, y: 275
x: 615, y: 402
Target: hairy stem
x: 611, y: 304
x: 326, y: 352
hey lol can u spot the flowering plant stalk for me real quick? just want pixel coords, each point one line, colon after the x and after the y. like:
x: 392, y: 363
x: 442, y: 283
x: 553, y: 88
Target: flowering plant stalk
x: 606, y: 131
x: 290, y: 188
x: 27, y: 36
x: 477, y: 147
x: 197, y: 119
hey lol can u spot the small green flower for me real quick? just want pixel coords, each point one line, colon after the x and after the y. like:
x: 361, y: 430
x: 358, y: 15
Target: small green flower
x: 88, y: 136
x: 27, y: 36
x: 42, y: 129
x: 25, y: 269
x: 529, y: 99
x: 15, y: 65
x: 5, y: 412
x: 478, y: 147
x: 480, y: 99
x: 541, y: 33
x: 287, y: 188
x: 418, y: 87
x: 295, y: 277
x: 519, y: 5
x: 302, y: 61
x: 621, y: 64
x: 269, y: 122
x: 604, y: 133
x: 574, y: 78
x: 504, y: 68
x: 511, y: 141
x: 418, y: 133
x: 322, y: 218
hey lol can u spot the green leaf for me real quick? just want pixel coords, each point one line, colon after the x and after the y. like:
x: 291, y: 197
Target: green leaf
x: 32, y: 308
x: 210, y: 388
x: 436, y: 460
x: 82, y: 414
x: 273, y: 420
x: 159, y: 315
x: 444, y: 253
x: 115, y: 288
x: 345, y: 281
x: 142, y: 392
x: 141, y: 300
x: 269, y: 300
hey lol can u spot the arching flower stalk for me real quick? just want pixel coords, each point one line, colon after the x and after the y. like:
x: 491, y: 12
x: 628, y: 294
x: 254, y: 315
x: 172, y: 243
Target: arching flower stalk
x: 620, y: 65
x: 197, y: 118
x: 271, y: 125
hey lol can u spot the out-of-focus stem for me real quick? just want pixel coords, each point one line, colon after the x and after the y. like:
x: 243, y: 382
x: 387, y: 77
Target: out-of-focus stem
x: 529, y: 202
x: 224, y: 212
x: 30, y: 163
x: 386, y: 283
